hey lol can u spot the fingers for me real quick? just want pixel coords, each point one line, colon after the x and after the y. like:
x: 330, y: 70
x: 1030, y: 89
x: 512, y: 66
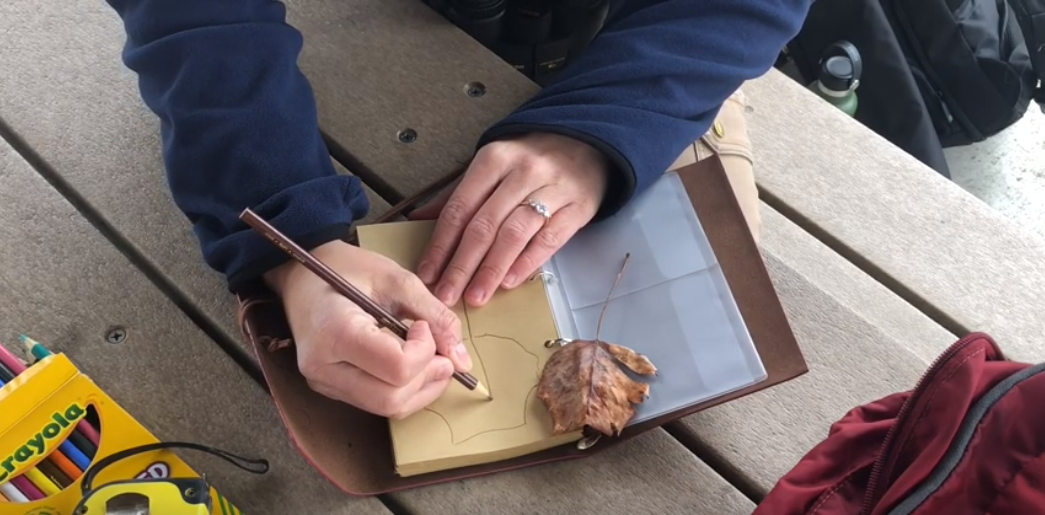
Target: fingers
x: 356, y: 339
x: 515, y: 233
x: 482, y: 232
x: 410, y: 298
x: 544, y: 244
x: 350, y: 384
x: 343, y: 352
x: 365, y: 369
x: 457, y: 212
x: 482, y: 239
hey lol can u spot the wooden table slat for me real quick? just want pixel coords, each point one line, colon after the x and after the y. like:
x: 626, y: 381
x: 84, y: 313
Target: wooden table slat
x: 652, y: 474
x: 378, y: 67
x: 861, y: 342
x: 950, y: 253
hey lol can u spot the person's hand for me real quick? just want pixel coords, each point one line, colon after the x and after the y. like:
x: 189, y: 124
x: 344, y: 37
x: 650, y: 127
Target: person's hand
x: 487, y: 236
x: 342, y: 351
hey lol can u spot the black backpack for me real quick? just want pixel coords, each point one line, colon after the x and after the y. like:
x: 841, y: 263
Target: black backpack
x: 1030, y: 16
x: 936, y: 73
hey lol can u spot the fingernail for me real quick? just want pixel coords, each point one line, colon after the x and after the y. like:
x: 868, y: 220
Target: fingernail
x: 445, y: 294
x: 462, y: 355
x: 509, y: 280
x: 477, y: 295
x: 425, y: 272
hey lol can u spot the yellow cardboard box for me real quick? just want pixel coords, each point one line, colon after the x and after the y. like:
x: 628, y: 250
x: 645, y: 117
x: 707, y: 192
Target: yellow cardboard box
x: 42, y: 406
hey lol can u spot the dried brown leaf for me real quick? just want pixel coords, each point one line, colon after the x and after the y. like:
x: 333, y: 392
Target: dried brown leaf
x: 582, y: 383
x: 636, y: 362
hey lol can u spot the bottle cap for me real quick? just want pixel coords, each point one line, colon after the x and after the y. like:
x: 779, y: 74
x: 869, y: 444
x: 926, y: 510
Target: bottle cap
x: 836, y: 73
x: 840, y: 68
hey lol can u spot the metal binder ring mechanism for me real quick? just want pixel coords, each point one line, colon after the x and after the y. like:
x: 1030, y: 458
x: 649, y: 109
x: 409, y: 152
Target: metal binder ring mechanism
x: 544, y: 274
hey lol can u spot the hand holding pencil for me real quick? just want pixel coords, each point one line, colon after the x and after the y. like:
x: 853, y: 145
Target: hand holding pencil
x: 344, y: 350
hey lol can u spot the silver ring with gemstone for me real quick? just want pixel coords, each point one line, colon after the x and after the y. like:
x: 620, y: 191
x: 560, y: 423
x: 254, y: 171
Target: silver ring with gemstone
x: 539, y: 207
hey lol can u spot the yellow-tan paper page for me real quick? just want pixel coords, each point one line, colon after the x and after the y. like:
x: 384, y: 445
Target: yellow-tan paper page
x: 506, y: 341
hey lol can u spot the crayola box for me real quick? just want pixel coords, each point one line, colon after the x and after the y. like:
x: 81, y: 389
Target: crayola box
x: 39, y: 410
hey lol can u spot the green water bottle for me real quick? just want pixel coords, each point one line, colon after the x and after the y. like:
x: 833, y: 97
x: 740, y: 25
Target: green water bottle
x: 840, y: 69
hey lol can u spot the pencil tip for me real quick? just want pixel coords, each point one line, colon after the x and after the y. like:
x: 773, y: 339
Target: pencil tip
x: 482, y: 389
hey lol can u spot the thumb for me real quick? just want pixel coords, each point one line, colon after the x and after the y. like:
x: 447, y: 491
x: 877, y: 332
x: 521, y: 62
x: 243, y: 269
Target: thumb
x: 418, y: 303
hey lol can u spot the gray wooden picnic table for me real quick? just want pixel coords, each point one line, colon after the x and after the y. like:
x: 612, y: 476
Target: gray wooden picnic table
x: 879, y: 262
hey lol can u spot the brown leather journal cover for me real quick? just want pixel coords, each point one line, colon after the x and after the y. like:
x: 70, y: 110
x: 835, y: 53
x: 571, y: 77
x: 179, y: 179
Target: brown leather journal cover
x: 353, y: 449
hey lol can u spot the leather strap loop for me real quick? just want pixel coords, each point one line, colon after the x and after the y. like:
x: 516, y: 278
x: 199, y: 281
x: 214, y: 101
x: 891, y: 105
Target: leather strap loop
x: 407, y: 205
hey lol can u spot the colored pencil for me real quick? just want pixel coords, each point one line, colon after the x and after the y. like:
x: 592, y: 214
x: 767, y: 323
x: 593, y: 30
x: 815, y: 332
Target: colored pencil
x: 11, y: 361
x: 55, y: 474
x: 73, y: 454
x: 6, y: 376
x: 68, y: 450
x: 85, y: 447
x: 12, y: 493
x: 66, y: 465
x: 42, y: 482
x: 89, y: 432
x: 35, y: 348
x: 28, y: 488
x: 75, y: 462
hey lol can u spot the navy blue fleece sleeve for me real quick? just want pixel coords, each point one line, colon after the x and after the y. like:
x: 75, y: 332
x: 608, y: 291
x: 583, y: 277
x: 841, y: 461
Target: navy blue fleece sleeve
x: 239, y: 127
x: 655, y: 78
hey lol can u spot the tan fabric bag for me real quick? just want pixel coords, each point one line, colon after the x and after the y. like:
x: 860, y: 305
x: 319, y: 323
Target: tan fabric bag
x: 728, y: 138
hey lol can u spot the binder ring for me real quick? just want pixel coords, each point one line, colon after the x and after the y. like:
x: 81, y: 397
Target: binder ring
x: 588, y: 441
x: 542, y: 273
x: 561, y: 342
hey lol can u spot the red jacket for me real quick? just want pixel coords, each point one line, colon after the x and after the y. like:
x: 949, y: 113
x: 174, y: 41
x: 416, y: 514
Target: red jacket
x: 969, y: 439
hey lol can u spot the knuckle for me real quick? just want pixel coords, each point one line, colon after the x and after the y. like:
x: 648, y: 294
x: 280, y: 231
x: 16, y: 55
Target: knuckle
x: 309, y: 366
x: 587, y: 203
x: 491, y: 273
x: 399, y: 414
x: 389, y: 406
x: 405, y: 281
x: 514, y: 233
x: 440, y: 251
x: 455, y: 212
x: 456, y: 272
x: 482, y: 229
x: 445, y: 320
x: 549, y: 239
x: 319, y: 387
x: 399, y: 373
x: 526, y: 262
x: 532, y: 170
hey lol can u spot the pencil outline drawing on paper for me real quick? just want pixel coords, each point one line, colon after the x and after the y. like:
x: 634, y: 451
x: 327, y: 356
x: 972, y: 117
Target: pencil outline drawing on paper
x: 473, y: 339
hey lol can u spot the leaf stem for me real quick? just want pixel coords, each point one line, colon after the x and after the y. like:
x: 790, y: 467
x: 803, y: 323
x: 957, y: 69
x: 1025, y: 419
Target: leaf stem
x: 598, y: 327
